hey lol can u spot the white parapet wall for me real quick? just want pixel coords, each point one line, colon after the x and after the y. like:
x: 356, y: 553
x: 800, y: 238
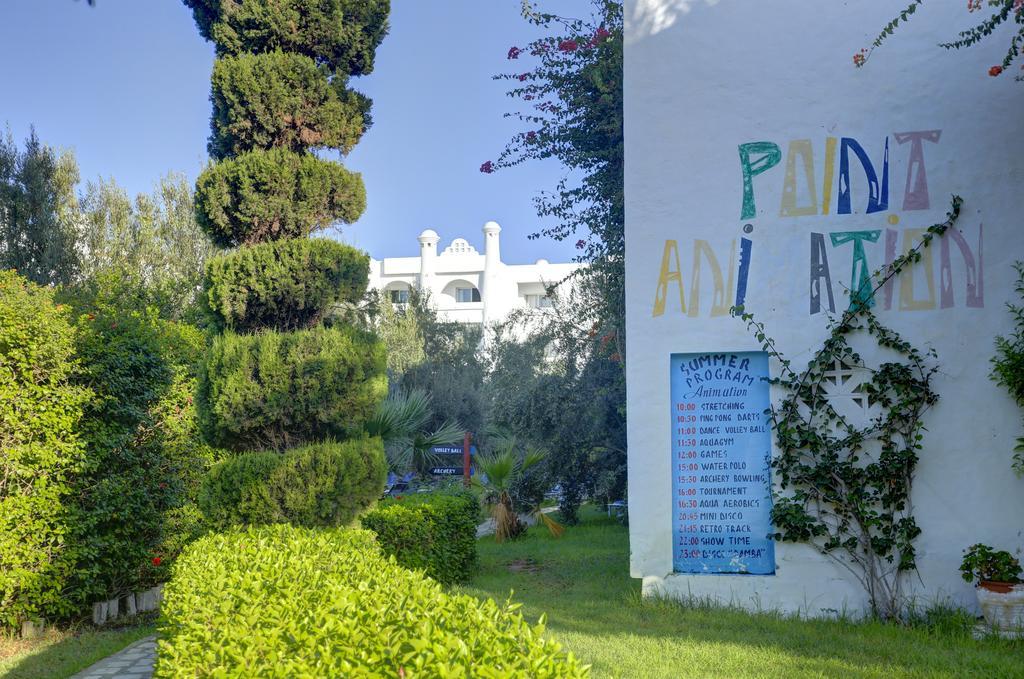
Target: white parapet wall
x: 764, y: 168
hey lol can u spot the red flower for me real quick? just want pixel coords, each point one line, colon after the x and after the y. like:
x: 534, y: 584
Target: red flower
x: 487, y: 168
x: 995, y: 70
x: 523, y: 76
x: 156, y: 560
x: 859, y: 58
x: 568, y: 45
x: 514, y: 52
x: 399, y: 497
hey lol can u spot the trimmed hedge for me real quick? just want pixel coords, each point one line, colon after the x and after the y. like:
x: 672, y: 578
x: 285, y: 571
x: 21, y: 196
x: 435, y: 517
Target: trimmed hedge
x: 277, y: 390
x: 40, y: 452
x: 433, y: 532
x: 263, y: 196
x: 285, y: 285
x: 282, y: 100
x: 282, y: 601
x: 321, y: 484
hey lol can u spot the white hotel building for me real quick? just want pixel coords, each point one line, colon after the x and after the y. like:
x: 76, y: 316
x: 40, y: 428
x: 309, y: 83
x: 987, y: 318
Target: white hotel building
x: 464, y: 285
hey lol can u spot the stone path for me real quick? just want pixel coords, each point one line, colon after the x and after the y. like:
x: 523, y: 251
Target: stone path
x: 134, y: 662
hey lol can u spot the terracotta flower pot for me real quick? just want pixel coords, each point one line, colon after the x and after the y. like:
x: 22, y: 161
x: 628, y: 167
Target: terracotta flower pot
x: 1002, y: 604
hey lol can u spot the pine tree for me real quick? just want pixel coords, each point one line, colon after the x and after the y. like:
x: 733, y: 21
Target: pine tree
x: 288, y: 393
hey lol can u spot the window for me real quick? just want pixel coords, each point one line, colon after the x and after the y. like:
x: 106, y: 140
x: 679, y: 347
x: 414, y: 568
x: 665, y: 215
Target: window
x: 400, y: 296
x: 538, y: 301
x: 467, y: 295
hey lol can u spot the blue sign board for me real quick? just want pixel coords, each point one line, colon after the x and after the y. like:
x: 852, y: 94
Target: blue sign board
x: 449, y: 460
x: 721, y: 476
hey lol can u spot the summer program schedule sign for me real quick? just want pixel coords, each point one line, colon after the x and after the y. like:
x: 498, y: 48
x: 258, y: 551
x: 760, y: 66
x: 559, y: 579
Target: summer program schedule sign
x: 721, y: 449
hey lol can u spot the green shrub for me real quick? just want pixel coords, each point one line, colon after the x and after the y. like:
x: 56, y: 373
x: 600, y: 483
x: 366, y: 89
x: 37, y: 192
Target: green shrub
x: 433, y: 532
x: 282, y: 100
x: 284, y: 285
x: 342, y: 34
x: 144, y: 453
x: 263, y: 196
x: 291, y: 602
x: 321, y: 484
x: 40, y: 453
x: 276, y: 390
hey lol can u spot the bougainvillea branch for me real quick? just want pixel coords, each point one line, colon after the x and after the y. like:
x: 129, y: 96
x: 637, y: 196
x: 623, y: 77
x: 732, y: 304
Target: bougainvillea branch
x: 1004, y: 10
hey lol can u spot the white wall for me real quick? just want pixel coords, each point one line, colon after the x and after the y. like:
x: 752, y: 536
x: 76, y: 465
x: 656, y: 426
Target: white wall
x: 705, y: 76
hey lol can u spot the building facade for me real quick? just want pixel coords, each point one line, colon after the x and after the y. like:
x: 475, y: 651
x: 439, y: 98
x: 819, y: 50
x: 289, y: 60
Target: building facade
x: 464, y: 285
x: 764, y: 170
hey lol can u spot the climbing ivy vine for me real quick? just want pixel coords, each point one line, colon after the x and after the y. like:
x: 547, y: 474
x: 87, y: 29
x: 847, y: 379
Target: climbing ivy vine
x: 844, y: 476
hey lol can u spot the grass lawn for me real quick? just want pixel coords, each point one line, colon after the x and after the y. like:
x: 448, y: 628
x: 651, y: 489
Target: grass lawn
x: 58, y: 654
x: 594, y: 609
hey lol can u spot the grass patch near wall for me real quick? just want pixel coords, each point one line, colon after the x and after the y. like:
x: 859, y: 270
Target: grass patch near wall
x: 58, y: 654
x: 594, y: 608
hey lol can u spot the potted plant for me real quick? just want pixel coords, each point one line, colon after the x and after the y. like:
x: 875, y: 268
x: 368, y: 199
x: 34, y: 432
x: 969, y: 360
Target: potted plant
x: 999, y: 588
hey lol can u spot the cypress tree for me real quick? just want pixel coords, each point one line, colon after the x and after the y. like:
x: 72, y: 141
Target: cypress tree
x: 289, y: 394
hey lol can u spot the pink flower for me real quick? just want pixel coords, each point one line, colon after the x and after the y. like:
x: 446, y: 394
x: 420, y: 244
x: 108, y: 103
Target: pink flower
x: 487, y: 168
x: 568, y: 45
x: 523, y: 76
x: 531, y: 135
x: 973, y: 5
x: 859, y: 58
x: 580, y: 244
x: 514, y: 52
x: 600, y: 35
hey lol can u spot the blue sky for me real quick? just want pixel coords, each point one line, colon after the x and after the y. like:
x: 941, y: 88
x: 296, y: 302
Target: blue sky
x: 126, y: 85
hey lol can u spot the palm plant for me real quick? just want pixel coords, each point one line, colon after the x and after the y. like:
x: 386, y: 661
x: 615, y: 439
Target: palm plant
x: 497, y: 474
x: 401, y: 421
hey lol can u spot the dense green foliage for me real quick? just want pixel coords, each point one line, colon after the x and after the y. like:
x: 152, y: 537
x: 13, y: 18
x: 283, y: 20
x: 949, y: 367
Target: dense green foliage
x: 284, y: 601
x: 321, y: 484
x: 273, y: 390
x: 432, y: 532
x: 144, y: 455
x: 282, y: 100
x: 37, y: 210
x: 340, y: 34
x: 1008, y: 363
x: 263, y: 196
x: 401, y: 421
x: 286, y: 286
x: 40, y: 451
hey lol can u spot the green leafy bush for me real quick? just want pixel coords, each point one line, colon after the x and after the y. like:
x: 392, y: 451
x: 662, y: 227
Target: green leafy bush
x: 275, y: 390
x: 144, y: 453
x: 264, y: 196
x: 282, y: 100
x: 341, y: 34
x: 322, y: 484
x: 40, y: 452
x: 292, y: 602
x: 284, y: 285
x: 433, y: 532
x: 981, y: 562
